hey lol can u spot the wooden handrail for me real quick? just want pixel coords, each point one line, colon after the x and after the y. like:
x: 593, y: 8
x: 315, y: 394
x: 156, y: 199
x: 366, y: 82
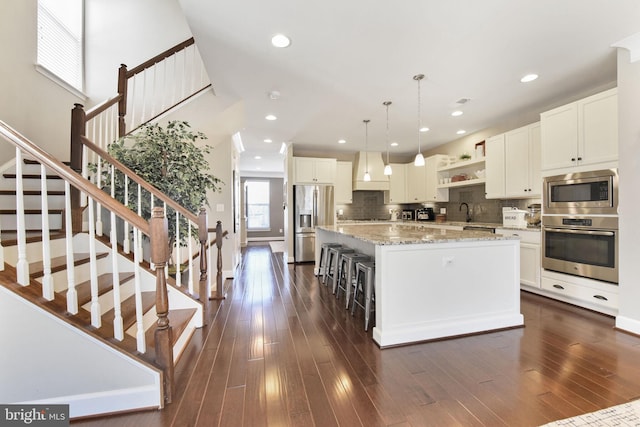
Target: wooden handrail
x: 73, y: 177
x: 140, y: 181
x: 167, y: 53
x: 93, y: 112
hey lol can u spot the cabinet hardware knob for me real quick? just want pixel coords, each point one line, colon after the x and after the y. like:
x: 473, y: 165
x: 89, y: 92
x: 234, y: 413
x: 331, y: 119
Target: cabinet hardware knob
x: 579, y: 158
x: 573, y: 159
x: 558, y: 286
x: 600, y: 297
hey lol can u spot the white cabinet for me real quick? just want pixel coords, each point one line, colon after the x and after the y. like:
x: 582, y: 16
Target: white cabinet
x: 522, y: 162
x: 310, y: 170
x: 397, y: 184
x: 344, y: 183
x: 530, y: 267
x: 416, y: 183
x: 433, y: 191
x: 579, y: 135
x: 494, y: 163
x: 592, y: 294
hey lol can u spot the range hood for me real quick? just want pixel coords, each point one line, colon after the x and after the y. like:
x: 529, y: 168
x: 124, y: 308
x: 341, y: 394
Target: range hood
x: 379, y: 181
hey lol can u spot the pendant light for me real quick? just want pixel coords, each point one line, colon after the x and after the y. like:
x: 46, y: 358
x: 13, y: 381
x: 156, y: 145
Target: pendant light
x: 387, y: 167
x: 367, y: 177
x: 419, y: 160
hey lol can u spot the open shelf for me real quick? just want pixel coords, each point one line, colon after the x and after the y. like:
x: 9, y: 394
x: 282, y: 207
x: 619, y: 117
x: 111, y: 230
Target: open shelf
x: 462, y: 164
x: 466, y: 183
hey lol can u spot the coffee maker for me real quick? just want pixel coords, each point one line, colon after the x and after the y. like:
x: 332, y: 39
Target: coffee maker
x: 425, y: 214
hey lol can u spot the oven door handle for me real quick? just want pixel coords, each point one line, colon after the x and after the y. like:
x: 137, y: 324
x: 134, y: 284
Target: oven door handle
x: 572, y: 231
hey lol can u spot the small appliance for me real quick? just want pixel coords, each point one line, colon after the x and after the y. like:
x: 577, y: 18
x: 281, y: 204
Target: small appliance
x: 425, y: 214
x: 581, y: 193
x: 407, y: 215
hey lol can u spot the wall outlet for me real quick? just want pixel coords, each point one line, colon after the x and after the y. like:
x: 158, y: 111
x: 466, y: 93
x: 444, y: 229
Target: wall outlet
x: 280, y: 230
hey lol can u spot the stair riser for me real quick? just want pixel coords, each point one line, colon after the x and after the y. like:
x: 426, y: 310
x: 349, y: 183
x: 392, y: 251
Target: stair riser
x: 32, y: 202
x: 106, y: 300
x: 81, y: 273
x: 32, y: 183
x: 32, y: 222
x: 34, y: 251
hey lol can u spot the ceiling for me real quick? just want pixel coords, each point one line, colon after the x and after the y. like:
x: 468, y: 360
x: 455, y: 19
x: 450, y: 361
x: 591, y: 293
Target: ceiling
x: 347, y: 57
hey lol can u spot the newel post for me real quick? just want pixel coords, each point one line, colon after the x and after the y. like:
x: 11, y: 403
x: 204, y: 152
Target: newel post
x: 78, y: 126
x: 219, y: 291
x: 163, y: 333
x: 122, y: 104
x: 203, y: 237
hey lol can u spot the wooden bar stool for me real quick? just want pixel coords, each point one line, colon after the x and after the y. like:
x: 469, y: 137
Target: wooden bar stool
x: 333, y: 259
x: 365, y: 278
x: 347, y: 274
x: 324, y: 253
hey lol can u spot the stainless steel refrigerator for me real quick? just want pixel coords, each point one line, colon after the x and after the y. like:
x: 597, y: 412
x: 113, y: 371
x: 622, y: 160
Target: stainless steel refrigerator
x: 313, y: 206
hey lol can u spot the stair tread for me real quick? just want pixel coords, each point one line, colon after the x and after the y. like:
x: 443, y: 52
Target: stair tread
x: 60, y: 263
x: 10, y: 237
x: 178, y: 320
x: 32, y: 192
x: 105, y: 284
x: 29, y: 211
x: 29, y: 176
x: 35, y: 162
x: 128, y: 308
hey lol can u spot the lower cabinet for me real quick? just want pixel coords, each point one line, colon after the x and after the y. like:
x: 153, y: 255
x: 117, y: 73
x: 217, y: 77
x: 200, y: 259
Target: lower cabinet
x: 529, y: 254
x: 592, y: 294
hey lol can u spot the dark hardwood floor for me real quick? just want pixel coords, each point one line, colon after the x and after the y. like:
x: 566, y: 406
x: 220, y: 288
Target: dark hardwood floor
x: 281, y: 351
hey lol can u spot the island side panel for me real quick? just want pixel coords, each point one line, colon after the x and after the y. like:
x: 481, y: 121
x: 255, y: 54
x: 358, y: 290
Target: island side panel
x: 435, y: 290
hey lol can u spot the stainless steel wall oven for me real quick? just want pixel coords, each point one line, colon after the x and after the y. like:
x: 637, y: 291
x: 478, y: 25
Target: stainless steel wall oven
x: 581, y: 245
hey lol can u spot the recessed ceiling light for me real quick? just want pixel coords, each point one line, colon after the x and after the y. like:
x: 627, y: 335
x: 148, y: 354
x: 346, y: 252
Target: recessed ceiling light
x: 529, y: 78
x: 457, y: 113
x: 257, y: 157
x: 461, y: 132
x: 271, y: 117
x: 342, y: 141
x: 268, y: 141
x: 394, y: 144
x: 424, y: 129
x: 280, y: 40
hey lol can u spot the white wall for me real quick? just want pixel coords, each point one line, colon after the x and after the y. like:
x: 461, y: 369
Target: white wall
x: 629, y: 170
x: 127, y: 32
x: 30, y: 102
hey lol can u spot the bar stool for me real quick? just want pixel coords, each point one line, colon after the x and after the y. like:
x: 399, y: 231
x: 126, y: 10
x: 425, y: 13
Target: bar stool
x: 365, y: 276
x: 324, y: 253
x: 347, y: 272
x: 333, y: 259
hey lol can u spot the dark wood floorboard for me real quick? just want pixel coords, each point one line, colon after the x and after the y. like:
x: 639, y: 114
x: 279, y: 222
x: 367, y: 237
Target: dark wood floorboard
x: 280, y: 350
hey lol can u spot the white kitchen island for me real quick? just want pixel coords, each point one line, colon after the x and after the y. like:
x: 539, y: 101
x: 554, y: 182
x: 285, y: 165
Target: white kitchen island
x: 432, y: 283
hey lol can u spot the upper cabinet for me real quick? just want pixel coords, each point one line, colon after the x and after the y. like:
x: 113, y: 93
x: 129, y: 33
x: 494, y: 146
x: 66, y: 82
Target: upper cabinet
x: 397, y: 184
x: 416, y: 183
x: 344, y: 183
x: 310, y: 170
x: 522, y: 162
x: 494, y: 163
x: 580, y: 135
x: 513, y: 164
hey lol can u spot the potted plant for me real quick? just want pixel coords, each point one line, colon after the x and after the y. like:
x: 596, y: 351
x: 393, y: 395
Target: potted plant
x: 169, y: 159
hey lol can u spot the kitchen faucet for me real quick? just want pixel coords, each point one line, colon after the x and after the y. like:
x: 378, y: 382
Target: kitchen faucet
x: 468, y: 218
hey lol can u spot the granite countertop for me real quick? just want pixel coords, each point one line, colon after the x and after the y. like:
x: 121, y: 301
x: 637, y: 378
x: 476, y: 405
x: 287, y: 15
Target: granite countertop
x: 434, y: 224
x: 403, y: 233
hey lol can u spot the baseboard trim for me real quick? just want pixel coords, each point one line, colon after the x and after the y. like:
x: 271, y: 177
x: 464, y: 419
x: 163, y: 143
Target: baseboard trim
x: 265, y: 239
x: 627, y: 324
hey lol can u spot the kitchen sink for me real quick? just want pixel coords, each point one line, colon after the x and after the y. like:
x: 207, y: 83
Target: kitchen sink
x: 486, y: 228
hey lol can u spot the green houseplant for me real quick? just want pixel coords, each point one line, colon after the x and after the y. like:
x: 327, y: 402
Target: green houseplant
x: 169, y: 159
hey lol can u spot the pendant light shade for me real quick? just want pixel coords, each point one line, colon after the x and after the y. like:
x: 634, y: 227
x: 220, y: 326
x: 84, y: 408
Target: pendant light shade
x: 367, y: 177
x: 419, y: 160
x: 387, y: 167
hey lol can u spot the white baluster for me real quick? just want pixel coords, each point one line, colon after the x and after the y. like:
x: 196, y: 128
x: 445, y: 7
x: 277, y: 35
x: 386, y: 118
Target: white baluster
x: 132, y: 99
x: 85, y: 174
x: 178, y: 258
x: 137, y: 256
x: 98, y: 181
x: 154, y: 90
x: 72, y: 294
x: 210, y: 267
x: 118, y: 328
x: 163, y: 92
x: 96, y: 319
x: 47, y: 279
x: 126, y: 244
x: 139, y: 214
x: 143, y: 116
x: 1, y: 250
x: 166, y: 265
x: 22, y: 266
x: 190, y: 262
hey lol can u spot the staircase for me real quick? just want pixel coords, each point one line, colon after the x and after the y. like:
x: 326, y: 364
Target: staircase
x: 97, y: 322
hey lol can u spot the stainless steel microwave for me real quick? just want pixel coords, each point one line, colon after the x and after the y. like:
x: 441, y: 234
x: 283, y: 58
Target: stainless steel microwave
x: 581, y: 193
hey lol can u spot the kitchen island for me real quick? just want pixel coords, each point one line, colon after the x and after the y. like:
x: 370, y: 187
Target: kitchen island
x: 433, y: 283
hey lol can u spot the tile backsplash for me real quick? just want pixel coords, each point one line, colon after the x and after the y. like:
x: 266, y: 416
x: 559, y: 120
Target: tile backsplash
x: 368, y: 205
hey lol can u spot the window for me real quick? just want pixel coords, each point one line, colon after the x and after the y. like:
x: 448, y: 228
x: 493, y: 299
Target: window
x: 257, y: 197
x: 60, y: 40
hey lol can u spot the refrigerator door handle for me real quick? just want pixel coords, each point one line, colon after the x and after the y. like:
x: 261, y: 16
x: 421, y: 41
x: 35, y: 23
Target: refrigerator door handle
x: 314, y: 219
